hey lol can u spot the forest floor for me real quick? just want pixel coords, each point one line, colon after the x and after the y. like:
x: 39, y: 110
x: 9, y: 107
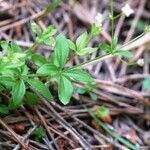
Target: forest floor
x: 119, y: 85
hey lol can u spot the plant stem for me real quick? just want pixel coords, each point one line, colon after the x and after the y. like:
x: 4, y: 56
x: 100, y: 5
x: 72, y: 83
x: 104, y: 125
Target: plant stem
x: 34, y: 46
x: 49, y: 9
x: 112, y: 19
x: 112, y: 24
x: 118, y: 16
x: 132, y: 40
x: 90, y: 61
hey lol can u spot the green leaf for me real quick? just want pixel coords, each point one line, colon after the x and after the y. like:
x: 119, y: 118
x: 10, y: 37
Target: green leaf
x: 78, y: 75
x: 53, y: 59
x: 41, y: 88
x: 146, y: 84
x: 82, y: 41
x: 4, y: 45
x: 39, y: 133
x: 48, y: 70
x: 90, y: 86
x: 8, y: 72
x: 104, y: 46
x: 39, y: 60
x: 81, y: 90
x: 61, y: 50
x: 7, y: 81
x: 55, y: 3
x: 15, y: 48
x: 2, y: 88
x: 19, y: 55
x: 124, y: 53
x: 24, y: 70
x: 49, y: 41
x: 93, y: 96
x: 86, y: 51
x: 71, y: 45
x: 35, y: 28
x: 114, y: 42
x: 4, y: 109
x: 11, y: 65
x: 50, y: 31
x: 28, y: 52
x: 18, y: 92
x: 31, y: 98
x: 102, y: 111
x: 65, y: 90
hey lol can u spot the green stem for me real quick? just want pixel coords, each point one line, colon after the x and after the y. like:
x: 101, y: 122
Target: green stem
x: 49, y: 9
x: 90, y: 61
x: 112, y: 24
x: 34, y: 46
x: 112, y: 19
x: 118, y: 16
x: 132, y: 40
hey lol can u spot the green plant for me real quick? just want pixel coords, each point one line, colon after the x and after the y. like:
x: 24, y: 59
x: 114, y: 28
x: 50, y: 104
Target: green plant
x: 87, y: 89
x: 19, y: 82
x: 39, y: 133
x: 107, y: 129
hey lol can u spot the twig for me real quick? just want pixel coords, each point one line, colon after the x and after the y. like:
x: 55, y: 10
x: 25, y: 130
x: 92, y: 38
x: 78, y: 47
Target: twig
x: 13, y: 133
x: 64, y: 123
x: 112, y: 133
x: 25, y: 137
x: 46, y: 127
x: 20, y: 22
x: 48, y: 9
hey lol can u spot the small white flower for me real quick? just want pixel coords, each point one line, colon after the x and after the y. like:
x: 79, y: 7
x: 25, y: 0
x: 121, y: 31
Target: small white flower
x: 127, y: 10
x: 140, y: 62
x: 99, y: 19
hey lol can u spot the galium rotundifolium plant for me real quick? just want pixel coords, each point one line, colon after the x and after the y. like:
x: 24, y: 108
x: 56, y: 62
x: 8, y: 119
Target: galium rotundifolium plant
x: 25, y: 75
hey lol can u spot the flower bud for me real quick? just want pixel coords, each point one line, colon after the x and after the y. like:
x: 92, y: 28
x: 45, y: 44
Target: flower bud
x: 96, y: 29
x: 140, y: 62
